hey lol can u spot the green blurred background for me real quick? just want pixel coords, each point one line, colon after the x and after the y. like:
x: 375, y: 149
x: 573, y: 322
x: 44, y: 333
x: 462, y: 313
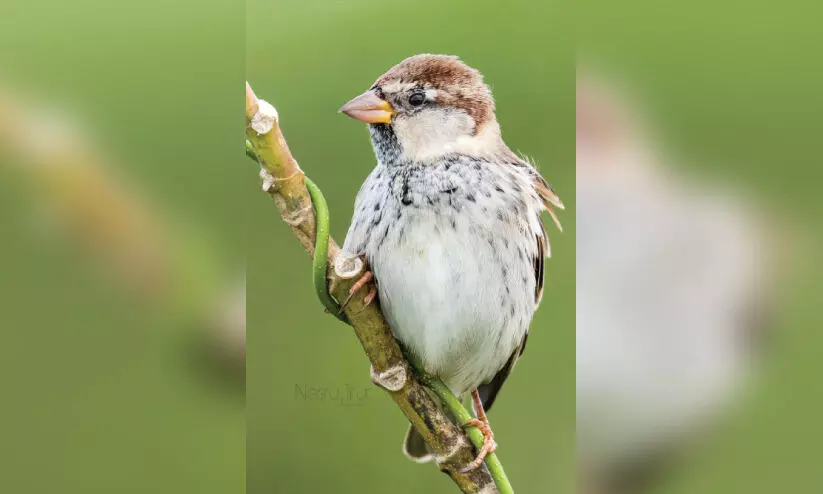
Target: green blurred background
x: 106, y: 389
x: 735, y: 92
x: 307, y: 59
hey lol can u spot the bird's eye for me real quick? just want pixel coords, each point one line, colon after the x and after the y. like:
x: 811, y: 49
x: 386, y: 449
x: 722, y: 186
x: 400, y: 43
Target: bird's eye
x: 417, y: 99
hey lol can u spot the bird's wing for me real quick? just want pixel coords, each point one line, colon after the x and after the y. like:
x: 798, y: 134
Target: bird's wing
x: 539, y: 261
x: 549, y: 198
x: 488, y: 392
x: 361, y: 225
x: 356, y: 238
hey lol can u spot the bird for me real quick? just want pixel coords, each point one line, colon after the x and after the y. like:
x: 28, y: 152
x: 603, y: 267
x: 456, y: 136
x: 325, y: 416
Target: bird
x: 673, y: 301
x: 449, y: 222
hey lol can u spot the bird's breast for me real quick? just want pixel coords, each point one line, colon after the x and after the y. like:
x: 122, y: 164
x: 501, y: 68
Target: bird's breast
x: 456, y: 284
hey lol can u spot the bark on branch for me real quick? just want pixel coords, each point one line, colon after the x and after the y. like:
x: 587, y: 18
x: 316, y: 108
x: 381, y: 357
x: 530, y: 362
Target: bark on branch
x: 390, y: 370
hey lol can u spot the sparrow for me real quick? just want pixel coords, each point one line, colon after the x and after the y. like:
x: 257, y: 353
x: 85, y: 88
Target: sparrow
x: 672, y: 294
x: 449, y: 221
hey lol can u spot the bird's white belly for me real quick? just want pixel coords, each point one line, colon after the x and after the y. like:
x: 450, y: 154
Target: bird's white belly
x: 449, y: 297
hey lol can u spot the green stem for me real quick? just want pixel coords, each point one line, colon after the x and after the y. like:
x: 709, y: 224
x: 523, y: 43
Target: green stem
x: 461, y: 415
x: 321, y: 251
x: 321, y: 243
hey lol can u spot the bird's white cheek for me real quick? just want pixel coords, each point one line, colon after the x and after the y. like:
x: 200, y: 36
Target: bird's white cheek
x: 431, y: 134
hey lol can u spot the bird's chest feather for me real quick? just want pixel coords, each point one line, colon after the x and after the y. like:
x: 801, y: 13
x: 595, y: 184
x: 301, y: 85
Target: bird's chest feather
x: 451, y: 249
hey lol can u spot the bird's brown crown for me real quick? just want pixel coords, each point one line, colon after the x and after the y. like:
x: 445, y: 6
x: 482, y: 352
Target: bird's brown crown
x: 459, y: 86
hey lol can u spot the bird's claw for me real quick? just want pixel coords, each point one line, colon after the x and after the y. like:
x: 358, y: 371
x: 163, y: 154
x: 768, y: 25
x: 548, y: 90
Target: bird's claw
x: 367, y: 277
x: 489, y: 444
x: 369, y: 298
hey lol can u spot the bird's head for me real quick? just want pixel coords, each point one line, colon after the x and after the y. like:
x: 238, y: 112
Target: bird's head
x: 427, y: 107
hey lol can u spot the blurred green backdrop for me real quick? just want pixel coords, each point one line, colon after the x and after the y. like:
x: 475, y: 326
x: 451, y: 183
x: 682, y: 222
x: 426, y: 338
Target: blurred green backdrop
x: 308, y: 58
x: 734, y: 91
x: 103, y: 391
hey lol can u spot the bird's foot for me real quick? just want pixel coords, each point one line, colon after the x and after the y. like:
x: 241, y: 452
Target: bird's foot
x: 489, y: 445
x: 369, y: 298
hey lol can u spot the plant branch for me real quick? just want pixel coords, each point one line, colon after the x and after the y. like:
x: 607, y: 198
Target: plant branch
x: 462, y: 416
x: 390, y: 370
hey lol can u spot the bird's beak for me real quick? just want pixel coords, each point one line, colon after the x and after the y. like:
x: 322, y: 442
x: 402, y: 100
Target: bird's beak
x: 369, y: 108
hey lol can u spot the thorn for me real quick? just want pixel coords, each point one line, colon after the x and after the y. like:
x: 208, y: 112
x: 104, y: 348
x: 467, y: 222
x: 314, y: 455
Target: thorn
x: 251, y: 101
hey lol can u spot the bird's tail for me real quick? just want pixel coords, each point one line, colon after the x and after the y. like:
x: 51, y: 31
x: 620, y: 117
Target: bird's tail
x: 415, y: 448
